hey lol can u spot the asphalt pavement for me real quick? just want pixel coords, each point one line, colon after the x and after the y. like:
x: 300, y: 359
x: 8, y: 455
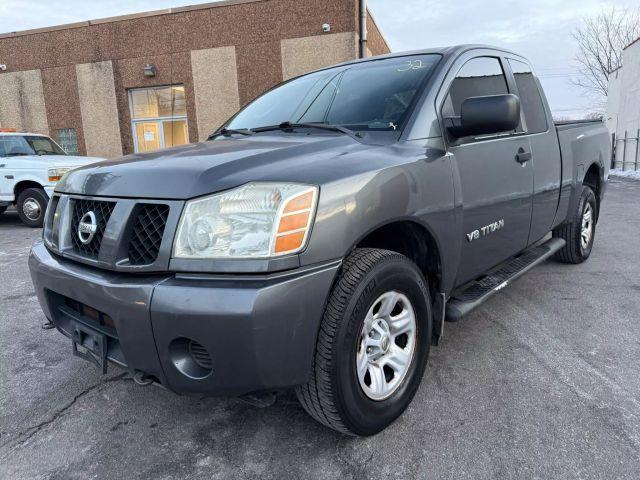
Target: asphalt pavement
x: 542, y: 381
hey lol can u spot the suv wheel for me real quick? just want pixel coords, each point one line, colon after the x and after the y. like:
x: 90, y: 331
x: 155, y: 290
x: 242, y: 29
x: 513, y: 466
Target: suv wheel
x: 31, y: 206
x: 372, y: 346
x: 580, y: 232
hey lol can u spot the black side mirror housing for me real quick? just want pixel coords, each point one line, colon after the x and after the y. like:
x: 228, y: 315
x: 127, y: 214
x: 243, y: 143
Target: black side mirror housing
x: 486, y: 115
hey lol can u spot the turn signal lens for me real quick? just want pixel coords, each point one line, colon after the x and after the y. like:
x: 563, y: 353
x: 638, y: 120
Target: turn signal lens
x: 295, y: 223
x: 289, y: 242
x: 55, y: 174
x: 301, y: 202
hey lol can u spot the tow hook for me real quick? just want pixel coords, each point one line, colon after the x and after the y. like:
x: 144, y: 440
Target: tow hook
x: 48, y: 325
x: 142, y: 379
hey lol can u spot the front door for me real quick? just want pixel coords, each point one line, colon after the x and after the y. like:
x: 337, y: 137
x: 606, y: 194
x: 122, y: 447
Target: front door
x: 496, y: 190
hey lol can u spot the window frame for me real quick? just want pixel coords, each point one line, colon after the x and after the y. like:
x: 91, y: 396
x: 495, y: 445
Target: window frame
x: 59, y: 141
x: 451, y: 75
x: 160, y: 120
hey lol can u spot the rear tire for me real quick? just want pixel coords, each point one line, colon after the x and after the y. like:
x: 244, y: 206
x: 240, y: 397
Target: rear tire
x: 580, y: 232
x: 374, y: 285
x: 31, y: 206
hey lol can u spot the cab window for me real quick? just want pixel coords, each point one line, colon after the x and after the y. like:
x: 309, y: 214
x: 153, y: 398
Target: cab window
x: 478, y: 77
x: 530, y: 98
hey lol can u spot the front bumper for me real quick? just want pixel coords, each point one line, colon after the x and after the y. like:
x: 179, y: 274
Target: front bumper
x: 259, y: 330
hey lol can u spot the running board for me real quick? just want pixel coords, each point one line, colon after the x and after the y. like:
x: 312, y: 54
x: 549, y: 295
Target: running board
x: 480, y: 290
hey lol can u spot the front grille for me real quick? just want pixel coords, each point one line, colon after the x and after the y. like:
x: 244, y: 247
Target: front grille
x: 146, y: 236
x: 102, y: 210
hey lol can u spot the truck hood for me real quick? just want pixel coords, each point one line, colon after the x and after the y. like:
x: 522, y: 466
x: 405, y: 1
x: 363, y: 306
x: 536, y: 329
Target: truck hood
x: 207, y: 167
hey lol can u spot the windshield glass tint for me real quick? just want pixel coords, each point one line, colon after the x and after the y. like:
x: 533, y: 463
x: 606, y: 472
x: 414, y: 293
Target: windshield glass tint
x: 372, y: 95
x: 15, y: 145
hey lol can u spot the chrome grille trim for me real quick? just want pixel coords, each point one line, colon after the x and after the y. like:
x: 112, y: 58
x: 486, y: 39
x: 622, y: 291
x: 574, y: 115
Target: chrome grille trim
x: 125, y: 243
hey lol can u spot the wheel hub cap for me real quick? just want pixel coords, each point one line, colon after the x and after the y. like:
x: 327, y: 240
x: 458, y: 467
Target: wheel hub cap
x: 387, y: 344
x: 31, y: 209
x: 587, y: 227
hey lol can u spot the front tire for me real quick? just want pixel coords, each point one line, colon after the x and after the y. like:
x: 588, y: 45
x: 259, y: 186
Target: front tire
x: 580, y: 232
x: 31, y: 206
x: 372, y: 346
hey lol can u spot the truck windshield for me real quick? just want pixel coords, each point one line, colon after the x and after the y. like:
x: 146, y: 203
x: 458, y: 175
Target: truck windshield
x: 17, y: 145
x: 373, y: 96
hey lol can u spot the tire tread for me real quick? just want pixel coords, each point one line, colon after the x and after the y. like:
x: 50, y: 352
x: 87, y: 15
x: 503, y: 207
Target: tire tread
x: 317, y: 396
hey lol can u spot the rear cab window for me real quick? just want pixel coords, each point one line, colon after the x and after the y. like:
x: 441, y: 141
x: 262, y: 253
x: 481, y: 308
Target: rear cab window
x: 530, y: 98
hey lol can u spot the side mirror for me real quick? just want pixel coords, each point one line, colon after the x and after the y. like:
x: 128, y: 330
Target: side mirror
x: 485, y: 115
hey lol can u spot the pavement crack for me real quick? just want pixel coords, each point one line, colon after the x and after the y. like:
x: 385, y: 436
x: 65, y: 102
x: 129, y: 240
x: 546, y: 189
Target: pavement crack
x: 23, y: 437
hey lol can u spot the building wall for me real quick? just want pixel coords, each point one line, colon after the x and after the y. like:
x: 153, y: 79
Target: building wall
x: 376, y: 44
x: 623, y: 106
x: 225, y: 54
x: 98, y: 109
x: 22, y: 102
x: 301, y: 55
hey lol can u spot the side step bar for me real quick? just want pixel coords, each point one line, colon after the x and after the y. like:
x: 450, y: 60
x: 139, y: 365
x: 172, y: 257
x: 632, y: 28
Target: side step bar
x: 480, y: 290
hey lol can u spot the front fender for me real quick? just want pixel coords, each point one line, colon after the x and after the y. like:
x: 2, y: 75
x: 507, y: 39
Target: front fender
x: 420, y: 191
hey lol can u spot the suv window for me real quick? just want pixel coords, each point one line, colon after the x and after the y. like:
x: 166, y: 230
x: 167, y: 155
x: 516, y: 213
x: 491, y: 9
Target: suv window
x: 530, y: 98
x: 478, y: 77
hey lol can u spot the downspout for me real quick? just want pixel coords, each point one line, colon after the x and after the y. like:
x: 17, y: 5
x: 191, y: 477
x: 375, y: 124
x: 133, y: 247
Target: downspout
x: 363, y: 28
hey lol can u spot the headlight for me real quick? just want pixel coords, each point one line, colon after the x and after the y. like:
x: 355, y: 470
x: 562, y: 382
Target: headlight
x: 55, y: 174
x: 257, y: 220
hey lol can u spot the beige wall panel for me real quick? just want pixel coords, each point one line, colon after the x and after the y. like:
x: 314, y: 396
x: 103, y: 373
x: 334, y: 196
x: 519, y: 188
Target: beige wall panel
x: 215, y: 86
x: 301, y: 55
x: 22, y: 102
x: 97, y: 94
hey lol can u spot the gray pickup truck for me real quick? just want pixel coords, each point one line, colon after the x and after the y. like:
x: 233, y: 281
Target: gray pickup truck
x: 321, y: 238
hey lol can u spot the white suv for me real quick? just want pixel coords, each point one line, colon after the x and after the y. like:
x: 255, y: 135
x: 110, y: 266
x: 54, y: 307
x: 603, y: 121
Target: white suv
x: 30, y: 166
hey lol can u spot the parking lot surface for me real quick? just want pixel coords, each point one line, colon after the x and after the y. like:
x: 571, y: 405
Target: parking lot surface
x: 542, y: 381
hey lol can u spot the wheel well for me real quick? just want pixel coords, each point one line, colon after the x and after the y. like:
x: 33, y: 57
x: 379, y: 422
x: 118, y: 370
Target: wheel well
x: 23, y: 185
x: 414, y: 241
x: 592, y: 179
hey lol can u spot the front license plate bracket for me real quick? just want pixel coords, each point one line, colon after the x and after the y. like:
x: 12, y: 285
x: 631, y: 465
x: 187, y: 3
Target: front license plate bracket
x: 90, y: 345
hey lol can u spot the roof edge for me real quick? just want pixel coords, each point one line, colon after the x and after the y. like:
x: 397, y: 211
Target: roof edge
x: 130, y: 16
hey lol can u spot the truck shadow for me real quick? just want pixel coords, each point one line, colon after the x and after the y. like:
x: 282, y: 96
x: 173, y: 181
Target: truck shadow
x: 10, y: 218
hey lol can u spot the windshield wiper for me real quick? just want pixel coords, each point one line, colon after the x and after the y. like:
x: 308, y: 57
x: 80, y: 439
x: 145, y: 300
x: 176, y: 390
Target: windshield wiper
x: 322, y: 126
x: 231, y: 131
x: 17, y: 154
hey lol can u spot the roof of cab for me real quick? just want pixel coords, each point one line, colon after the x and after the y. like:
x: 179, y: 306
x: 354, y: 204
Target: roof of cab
x: 452, y: 50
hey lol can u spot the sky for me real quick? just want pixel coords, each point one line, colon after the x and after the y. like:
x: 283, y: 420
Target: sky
x: 540, y: 30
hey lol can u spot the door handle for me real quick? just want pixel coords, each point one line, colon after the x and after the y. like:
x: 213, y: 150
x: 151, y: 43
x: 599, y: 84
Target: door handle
x: 522, y: 157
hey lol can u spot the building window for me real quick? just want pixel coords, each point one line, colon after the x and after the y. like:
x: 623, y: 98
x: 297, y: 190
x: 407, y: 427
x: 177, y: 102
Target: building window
x: 158, y: 117
x: 68, y: 140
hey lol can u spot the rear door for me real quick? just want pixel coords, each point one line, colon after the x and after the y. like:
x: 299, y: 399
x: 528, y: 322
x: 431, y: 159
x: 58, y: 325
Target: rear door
x: 494, y: 188
x: 545, y: 149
